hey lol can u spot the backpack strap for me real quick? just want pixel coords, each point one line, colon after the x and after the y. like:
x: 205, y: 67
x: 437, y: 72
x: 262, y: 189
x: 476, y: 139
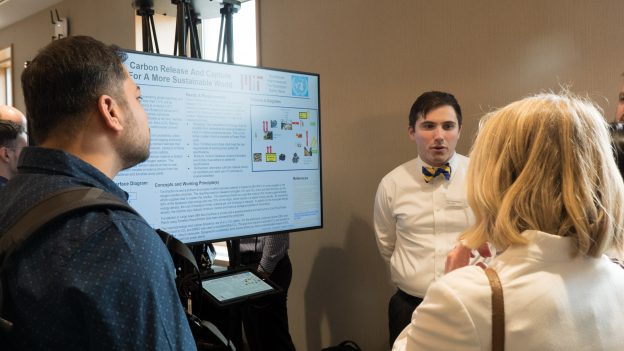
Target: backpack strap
x: 51, y: 207
x: 176, y: 247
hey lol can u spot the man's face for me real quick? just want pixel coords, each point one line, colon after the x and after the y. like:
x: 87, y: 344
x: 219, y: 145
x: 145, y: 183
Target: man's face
x: 436, y: 135
x: 15, y: 150
x: 619, y: 113
x: 135, y: 139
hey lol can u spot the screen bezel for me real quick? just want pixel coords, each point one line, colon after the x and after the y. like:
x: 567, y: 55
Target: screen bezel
x: 320, y: 147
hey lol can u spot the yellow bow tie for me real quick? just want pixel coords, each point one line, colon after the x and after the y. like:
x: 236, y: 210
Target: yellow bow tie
x: 431, y: 172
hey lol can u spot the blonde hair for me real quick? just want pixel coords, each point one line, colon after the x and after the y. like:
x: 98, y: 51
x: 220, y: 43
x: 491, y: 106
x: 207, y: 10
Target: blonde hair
x: 545, y: 163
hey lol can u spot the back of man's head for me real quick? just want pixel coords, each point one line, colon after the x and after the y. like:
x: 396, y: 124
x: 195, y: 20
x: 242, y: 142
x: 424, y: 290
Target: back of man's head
x: 9, y: 131
x: 64, y: 81
x: 13, y: 138
x: 10, y: 113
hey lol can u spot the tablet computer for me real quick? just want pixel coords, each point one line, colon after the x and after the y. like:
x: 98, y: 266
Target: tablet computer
x: 230, y: 287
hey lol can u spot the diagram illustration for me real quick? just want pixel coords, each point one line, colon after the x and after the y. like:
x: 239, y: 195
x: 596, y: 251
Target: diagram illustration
x: 284, y: 138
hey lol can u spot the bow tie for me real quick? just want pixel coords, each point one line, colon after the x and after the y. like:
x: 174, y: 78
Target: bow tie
x: 431, y: 172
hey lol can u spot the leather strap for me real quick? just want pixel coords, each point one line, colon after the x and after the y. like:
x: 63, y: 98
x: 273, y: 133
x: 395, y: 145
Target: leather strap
x: 498, y: 311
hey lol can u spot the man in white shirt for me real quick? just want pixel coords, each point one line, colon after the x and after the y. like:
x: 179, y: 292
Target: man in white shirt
x: 421, y: 207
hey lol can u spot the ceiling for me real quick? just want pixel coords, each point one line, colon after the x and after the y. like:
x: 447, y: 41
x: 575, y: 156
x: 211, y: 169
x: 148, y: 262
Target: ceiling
x: 12, y: 11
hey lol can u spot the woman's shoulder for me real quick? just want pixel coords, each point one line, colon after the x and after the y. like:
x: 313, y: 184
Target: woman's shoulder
x: 469, y: 282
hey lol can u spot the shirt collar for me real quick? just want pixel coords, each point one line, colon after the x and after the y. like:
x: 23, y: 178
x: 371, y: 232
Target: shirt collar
x: 59, y: 162
x: 542, y: 246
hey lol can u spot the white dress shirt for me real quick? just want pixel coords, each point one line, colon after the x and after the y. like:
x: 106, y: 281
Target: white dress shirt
x: 553, y: 301
x: 417, y: 223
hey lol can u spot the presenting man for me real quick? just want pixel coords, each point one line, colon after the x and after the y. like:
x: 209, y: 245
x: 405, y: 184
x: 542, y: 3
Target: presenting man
x: 13, y: 139
x: 420, y: 206
x: 99, y: 279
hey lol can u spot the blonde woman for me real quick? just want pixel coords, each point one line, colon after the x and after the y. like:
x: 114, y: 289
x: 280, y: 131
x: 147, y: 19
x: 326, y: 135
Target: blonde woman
x: 547, y: 194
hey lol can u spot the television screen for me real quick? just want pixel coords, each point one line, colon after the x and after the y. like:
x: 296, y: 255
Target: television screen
x: 235, y: 150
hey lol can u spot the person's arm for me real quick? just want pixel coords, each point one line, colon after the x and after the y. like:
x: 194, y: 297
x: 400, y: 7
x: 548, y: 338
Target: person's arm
x: 385, y: 224
x: 440, y: 323
x: 274, y: 249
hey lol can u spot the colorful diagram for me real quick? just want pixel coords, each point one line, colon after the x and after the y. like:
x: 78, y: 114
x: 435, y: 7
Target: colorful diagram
x: 284, y: 138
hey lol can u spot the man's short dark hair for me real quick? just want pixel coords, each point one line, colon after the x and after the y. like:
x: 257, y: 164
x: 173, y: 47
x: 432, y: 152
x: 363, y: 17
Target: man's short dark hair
x: 65, y: 80
x: 9, y: 131
x: 430, y: 101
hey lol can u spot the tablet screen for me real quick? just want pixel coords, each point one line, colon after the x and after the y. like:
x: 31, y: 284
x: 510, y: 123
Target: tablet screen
x: 235, y: 286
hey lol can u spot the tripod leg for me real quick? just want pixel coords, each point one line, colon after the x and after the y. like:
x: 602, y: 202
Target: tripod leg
x: 151, y: 20
x: 220, y: 36
x: 229, y: 35
x: 180, y: 30
x: 192, y: 31
x: 145, y: 34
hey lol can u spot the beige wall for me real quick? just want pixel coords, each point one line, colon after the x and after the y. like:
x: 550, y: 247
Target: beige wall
x: 110, y: 21
x: 374, y: 58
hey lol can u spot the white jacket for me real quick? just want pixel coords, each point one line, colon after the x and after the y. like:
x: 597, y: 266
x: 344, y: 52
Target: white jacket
x: 552, y: 302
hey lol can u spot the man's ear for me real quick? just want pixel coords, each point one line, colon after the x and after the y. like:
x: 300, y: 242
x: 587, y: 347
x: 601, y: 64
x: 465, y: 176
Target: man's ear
x: 110, y: 112
x: 411, y: 131
x: 4, y: 155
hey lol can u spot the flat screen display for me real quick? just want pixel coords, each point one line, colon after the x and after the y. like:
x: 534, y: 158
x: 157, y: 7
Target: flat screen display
x: 237, y: 286
x: 235, y: 150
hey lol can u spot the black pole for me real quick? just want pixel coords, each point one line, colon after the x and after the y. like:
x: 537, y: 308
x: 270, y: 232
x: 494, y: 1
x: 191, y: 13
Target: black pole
x: 234, y: 255
x: 180, y: 39
x: 229, y: 34
x: 148, y: 32
x: 220, y: 37
x: 146, y: 37
x: 230, y: 7
x: 191, y: 25
x: 194, y: 22
x: 151, y: 20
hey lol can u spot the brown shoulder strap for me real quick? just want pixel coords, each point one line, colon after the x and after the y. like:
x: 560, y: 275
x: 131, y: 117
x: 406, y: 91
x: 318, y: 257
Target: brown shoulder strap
x: 498, y: 311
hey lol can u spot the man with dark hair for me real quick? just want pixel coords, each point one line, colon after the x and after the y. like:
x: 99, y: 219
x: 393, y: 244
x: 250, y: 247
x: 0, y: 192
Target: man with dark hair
x: 420, y: 206
x: 98, y: 279
x: 13, y: 139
